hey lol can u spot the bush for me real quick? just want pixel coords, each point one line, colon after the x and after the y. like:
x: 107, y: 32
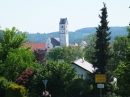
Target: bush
x: 4, y: 83
x: 15, y: 90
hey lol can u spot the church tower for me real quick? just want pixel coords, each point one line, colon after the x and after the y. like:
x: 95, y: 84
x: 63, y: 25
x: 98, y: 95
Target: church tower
x: 63, y: 32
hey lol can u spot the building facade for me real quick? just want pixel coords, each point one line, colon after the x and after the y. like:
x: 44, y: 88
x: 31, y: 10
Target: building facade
x: 63, y: 32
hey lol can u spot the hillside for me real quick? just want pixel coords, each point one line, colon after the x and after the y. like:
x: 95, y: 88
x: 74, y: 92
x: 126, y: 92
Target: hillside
x: 76, y: 36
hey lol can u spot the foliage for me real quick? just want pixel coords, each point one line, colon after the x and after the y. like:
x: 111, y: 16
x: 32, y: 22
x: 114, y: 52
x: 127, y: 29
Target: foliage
x: 55, y: 53
x: 101, y: 54
x: 119, y: 46
x: 59, y: 75
x: 15, y: 90
x: 4, y: 83
x: 123, y: 74
x: 128, y: 28
x: 0, y: 35
x: 11, y: 39
x: 80, y: 88
x: 18, y: 60
x: 89, y: 49
x: 25, y: 78
x: 40, y: 55
x: 68, y: 54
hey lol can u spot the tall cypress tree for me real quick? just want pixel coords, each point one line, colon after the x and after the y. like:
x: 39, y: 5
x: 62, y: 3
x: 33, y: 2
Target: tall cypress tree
x: 101, y: 54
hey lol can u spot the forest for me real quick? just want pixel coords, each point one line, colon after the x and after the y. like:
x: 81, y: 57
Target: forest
x: 76, y: 36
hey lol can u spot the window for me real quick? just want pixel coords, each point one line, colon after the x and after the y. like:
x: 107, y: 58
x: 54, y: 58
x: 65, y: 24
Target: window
x: 61, y: 26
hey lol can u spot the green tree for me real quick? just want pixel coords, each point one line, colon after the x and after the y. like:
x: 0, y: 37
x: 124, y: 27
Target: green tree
x: 119, y: 46
x: 0, y: 35
x: 11, y: 39
x: 89, y: 49
x: 55, y: 54
x: 122, y: 72
x: 123, y: 76
x: 60, y: 76
x: 128, y: 28
x: 101, y: 55
x: 68, y: 54
x: 18, y: 60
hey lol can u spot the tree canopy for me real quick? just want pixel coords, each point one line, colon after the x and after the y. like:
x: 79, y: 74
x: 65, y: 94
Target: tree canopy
x: 11, y: 39
x: 68, y: 54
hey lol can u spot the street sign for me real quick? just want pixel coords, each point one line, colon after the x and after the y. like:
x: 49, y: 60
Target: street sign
x: 45, y: 81
x: 100, y: 85
x: 45, y: 93
x: 100, y: 78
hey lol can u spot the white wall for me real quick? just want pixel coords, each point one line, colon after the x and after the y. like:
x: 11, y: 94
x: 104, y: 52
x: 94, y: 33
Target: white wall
x: 49, y: 44
x: 79, y: 70
x: 63, y: 31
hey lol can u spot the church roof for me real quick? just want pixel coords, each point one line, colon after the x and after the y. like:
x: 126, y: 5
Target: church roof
x: 63, y: 21
x: 55, y: 41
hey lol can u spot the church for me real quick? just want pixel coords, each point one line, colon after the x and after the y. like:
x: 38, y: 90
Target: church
x: 63, y: 39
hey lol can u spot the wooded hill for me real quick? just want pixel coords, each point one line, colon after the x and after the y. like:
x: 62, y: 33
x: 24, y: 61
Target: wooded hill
x: 75, y: 36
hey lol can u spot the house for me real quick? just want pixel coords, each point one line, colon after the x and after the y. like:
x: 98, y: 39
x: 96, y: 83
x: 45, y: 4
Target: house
x: 35, y: 46
x: 82, y: 67
x: 83, y: 44
x: 63, y: 39
x: 74, y: 45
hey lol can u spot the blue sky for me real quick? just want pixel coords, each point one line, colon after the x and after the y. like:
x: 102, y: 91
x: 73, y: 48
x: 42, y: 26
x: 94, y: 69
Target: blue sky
x: 44, y: 15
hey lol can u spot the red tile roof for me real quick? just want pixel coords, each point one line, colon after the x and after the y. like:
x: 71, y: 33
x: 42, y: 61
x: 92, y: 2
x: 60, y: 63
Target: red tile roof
x: 35, y: 46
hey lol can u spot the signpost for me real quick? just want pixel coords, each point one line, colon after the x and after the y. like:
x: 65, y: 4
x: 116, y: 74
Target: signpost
x: 100, y: 85
x: 45, y: 93
x: 100, y: 78
x: 45, y: 82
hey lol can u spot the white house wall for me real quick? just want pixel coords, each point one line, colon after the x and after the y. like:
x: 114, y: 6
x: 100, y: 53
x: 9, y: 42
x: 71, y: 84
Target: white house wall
x: 79, y: 70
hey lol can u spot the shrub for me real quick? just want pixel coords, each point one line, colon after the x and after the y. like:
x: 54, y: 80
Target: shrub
x: 15, y: 90
x: 4, y: 83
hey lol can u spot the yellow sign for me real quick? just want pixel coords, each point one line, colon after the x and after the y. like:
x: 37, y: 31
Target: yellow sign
x: 100, y: 78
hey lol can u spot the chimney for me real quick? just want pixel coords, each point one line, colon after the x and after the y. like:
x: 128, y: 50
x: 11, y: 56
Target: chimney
x: 82, y: 59
x: 76, y: 58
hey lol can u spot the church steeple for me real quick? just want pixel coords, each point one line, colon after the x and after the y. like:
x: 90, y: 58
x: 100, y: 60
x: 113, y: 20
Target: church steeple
x: 63, y: 32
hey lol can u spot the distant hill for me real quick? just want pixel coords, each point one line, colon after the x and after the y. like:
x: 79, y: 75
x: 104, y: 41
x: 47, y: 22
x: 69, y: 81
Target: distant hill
x: 76, y: 36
